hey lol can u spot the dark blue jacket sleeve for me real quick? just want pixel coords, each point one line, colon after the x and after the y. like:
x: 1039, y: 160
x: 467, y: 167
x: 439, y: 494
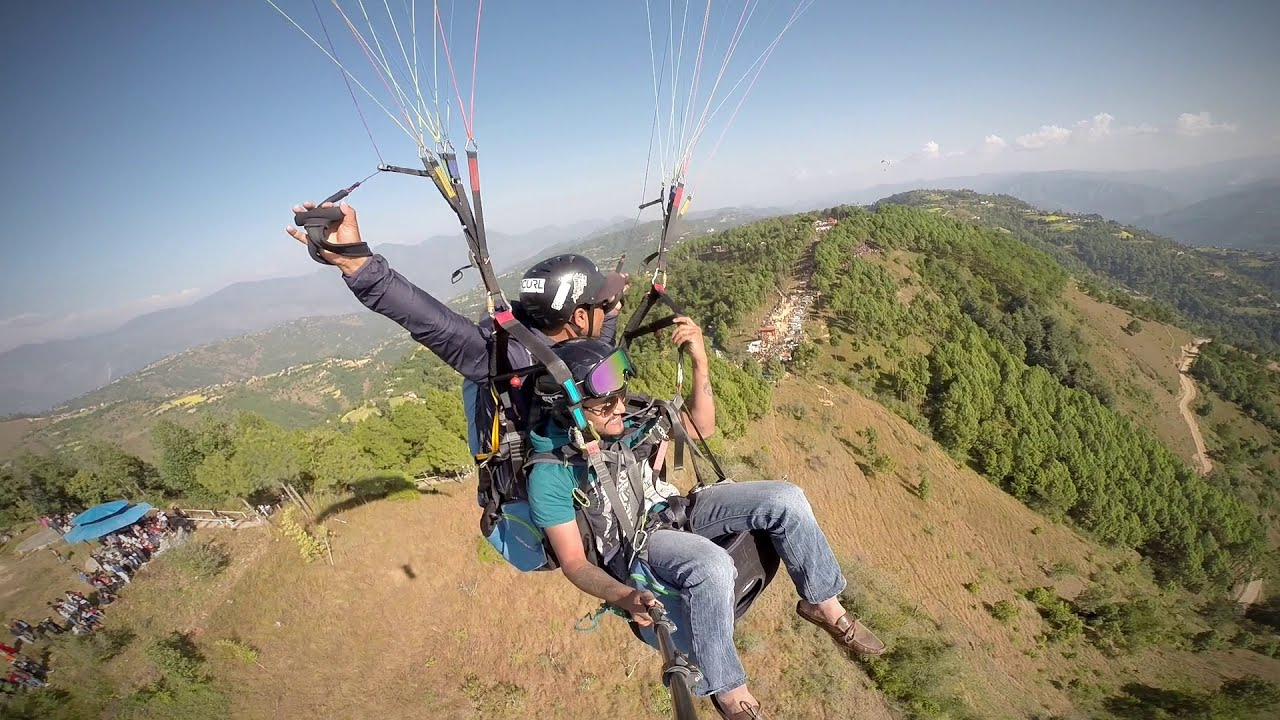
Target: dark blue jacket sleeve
x: 610, y: 329
x: 459, y: 342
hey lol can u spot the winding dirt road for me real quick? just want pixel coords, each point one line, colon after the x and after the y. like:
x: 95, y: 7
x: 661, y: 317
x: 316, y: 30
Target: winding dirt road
x: 1190, y: 352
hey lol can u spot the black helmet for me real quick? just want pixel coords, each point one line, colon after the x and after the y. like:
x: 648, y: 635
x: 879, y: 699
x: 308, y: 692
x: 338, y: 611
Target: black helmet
x: 551, y: 290
x: 599, y: 370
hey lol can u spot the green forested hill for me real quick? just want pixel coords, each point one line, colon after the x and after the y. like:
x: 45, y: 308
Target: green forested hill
x: 1000, y: 384
x: 1155, y: 277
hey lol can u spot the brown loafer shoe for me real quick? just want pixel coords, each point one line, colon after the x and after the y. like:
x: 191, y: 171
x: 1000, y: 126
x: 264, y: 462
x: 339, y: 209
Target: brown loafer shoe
x: 848, y: 632
x: 743, y: 711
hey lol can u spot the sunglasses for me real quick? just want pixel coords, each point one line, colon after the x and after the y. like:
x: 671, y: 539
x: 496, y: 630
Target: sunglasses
x: 608, y: 305
x: 607, y: 405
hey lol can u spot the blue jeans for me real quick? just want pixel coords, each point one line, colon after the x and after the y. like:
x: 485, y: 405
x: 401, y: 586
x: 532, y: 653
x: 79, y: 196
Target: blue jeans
x: 703, y: 573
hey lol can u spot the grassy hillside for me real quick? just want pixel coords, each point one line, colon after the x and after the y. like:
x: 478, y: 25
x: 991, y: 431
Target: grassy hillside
x: 1141, y: 366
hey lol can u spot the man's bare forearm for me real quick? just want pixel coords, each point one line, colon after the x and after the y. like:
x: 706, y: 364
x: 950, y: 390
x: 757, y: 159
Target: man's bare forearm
x: 595, y: 582
x: 702, y: 402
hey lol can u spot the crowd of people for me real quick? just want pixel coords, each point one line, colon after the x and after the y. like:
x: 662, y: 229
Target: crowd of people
x: 126, y: 550
x: 58, y: 521
x: 23, y: 671
x: 121, y: 555
x: 81, y: 614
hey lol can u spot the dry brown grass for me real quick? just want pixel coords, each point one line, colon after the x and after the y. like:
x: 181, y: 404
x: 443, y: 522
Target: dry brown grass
x: 411, y: 623
x: 28, y: 583
x: 13, y: 434
x: 1141, y: 368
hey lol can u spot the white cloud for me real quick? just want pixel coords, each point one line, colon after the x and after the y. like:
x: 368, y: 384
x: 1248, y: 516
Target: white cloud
x: 1046, y: 136
x: 1200, y: 123
x: 1096, y: 128
x: 1100, y: 140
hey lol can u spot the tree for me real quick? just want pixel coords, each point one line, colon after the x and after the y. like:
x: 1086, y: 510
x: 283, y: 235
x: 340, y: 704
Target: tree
x: 44, y: 481
x: 1134, y: 327
x: 381, y: 442
x: 178, y: 455
x: 260, y: 455
x: 911, y: 379
x: 803, y: 356
x: 332, y: 459
x: 116, y: 472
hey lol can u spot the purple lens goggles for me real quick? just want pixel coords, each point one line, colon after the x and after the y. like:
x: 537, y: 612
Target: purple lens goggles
x: 610, y: 376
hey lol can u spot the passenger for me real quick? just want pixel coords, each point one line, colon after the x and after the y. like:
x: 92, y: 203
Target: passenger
x: 684, y: 560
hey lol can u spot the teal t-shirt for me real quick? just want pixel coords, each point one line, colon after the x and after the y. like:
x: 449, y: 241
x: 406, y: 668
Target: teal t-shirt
x: 550, y: 486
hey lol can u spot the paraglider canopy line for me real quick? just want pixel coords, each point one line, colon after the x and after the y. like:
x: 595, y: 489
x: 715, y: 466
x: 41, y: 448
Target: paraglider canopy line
x: 444, y: 43
x: 758, y: 65
x: 345, y: 73
x: 347, y: 82
x: 398, y: 94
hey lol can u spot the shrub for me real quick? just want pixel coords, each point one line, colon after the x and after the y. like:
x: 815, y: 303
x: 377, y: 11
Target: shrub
x: 797, y: 412
x: 405, y: 495
x: 239, y: 650
x: 311, y: 547
x: 914, y: 672
x: 176, y: 657
x: 199, y: 560
x: 1064, y: 624
x: 924, y: 488
x: 1004, y: 610
x: 183, y: 691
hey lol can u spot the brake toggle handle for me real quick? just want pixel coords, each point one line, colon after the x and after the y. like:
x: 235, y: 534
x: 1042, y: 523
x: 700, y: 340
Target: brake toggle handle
x: 316, y: 222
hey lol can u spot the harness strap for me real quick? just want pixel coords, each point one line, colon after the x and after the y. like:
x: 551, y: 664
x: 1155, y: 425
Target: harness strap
x: 640, y: 538
x: 625, y: 522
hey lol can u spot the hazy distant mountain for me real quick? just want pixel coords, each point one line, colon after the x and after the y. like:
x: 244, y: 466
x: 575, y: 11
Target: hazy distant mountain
x: 1247, y: 219
x: 1071, y: 191
x: 1200, y: 182
x: 1120, y: 196
x: 38, y: 376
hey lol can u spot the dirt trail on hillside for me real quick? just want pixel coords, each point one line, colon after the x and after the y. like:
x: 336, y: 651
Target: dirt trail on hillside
x: 1249, y: 595
x: 1190, y: 352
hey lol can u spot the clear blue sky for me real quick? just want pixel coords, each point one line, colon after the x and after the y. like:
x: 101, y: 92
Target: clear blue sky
x: 155, y: 147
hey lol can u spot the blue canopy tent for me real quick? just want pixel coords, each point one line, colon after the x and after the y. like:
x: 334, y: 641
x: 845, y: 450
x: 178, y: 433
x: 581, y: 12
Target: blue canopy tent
x: 105, y: 518
x: 97, y: 512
